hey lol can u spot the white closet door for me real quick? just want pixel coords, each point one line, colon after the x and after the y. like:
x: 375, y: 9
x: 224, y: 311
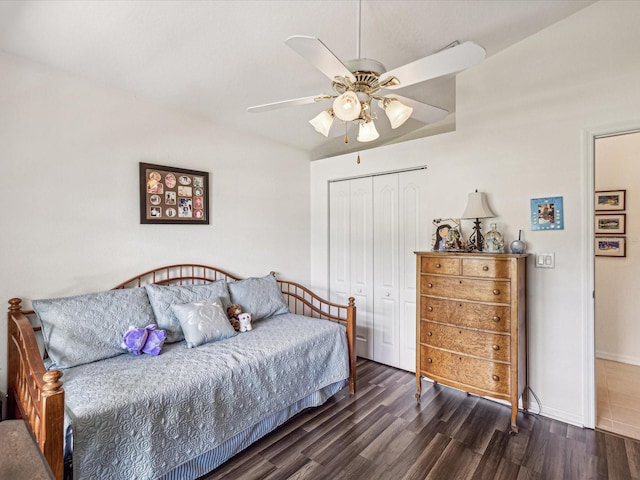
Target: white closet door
x: 351, y: 255
x: 386, y: 321
x: 413, y: 231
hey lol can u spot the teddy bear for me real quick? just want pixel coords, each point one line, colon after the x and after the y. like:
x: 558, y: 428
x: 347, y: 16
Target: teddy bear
x: 245, y: 322
x: 233, y: 311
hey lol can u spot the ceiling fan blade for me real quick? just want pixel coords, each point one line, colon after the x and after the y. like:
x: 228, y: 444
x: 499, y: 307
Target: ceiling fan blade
x: 449, y: 60
x: 317, y: 53
x: 423, y: 111
x: 288, y: 103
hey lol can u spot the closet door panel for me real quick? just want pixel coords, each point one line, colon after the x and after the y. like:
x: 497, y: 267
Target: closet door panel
x: 413, y: 236
x: 385, y: 259
x: 339, y: 239
x: 361, y: 261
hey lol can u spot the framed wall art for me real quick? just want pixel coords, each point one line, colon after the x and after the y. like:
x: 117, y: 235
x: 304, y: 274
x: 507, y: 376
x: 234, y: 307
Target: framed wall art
x: 610, y: 200
x: 610, y: 246
x: 547, y: 213
x: 173, y: 195
x: 611, y: 224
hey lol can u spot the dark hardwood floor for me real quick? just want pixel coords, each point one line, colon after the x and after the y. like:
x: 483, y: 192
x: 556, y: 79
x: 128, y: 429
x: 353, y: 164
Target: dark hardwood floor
x: 381, y: 433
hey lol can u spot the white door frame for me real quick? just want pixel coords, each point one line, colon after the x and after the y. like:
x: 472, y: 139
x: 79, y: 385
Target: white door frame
x: 589, y: 136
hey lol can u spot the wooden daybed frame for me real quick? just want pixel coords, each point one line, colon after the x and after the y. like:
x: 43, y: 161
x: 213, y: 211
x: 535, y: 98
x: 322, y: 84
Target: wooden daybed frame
x: 37, y: 396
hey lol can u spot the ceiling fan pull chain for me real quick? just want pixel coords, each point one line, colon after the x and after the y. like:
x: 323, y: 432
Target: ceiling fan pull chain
x: 346, y: 132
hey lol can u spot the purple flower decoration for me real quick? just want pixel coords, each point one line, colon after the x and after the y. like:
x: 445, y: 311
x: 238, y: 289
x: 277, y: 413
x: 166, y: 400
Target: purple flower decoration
x: 155, y: 340
x: 134, y: 339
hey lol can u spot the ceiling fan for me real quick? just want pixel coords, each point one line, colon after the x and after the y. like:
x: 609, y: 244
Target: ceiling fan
x: 357, y: 83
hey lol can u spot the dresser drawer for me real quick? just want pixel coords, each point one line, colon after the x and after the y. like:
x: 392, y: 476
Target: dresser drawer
x: 470, y: 342
x: 474, y: 372
x: 495, y: 318
x: 497, y: 291
x: 489, y: 267
x: 440, y: 265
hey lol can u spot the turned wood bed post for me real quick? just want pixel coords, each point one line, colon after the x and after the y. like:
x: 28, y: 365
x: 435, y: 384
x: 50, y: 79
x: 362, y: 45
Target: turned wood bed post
x: 351, y: 340
x: 35, y: 394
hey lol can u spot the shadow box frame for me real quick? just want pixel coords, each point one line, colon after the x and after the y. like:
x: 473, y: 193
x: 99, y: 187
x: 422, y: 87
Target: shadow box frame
x: 173, y: 195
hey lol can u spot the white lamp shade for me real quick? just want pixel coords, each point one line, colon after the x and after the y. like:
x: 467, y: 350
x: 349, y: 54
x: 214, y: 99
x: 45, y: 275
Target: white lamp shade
x: 398, y: 113
x: 347, y: 107
x: 477, y: 206
x: 367, y: 132
x: 322, y: 122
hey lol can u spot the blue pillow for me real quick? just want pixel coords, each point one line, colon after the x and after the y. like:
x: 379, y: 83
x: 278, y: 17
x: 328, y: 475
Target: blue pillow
x: 86, y: 328
x: 203, y: 322
x: 163, y: 296
x: 261, y: 297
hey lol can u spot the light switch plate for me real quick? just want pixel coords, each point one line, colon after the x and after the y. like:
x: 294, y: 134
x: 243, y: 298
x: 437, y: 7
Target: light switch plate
x: 545, y: 260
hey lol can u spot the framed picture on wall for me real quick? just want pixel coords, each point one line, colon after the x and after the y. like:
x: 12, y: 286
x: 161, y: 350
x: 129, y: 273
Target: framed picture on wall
x: 173, y: 195
x: 610, y: 246
x: 610, y: 200
x: 611, y: 224
x: 547, y: 213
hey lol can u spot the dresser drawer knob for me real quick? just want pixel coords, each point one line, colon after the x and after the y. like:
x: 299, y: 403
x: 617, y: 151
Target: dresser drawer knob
x: 429, y: 334
x: 496, y: 292
x: 496, y: 378
x: 429, y: 360
x: 429, y: 309
x: 438, y: 265
x: 496, y: 347
x: 430, y: 285
x: 496, y: 319
x: 485, y: 268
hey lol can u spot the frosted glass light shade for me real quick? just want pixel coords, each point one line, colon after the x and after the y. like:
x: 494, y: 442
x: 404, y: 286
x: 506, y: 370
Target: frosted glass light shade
x: 367, y: 132
x: 398, y: 113
x: 477, y: 206
x: 347, y: 107
x: 322, y: 122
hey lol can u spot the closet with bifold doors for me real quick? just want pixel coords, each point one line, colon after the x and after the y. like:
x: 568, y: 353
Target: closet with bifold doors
x: 376, y: 223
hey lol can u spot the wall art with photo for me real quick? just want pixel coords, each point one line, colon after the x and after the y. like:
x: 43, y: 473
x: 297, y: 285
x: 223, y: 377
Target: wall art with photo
x: 547, y: 213
x: 173, y: 195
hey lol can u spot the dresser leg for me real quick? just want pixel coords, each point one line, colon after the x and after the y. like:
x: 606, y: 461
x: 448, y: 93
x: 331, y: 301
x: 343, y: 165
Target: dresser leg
x: 514, y: 416
x: 419, y: 385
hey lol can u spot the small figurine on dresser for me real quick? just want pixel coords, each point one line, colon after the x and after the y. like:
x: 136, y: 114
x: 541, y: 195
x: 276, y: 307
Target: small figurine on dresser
x: 494, y: 241
x: 454, y: 241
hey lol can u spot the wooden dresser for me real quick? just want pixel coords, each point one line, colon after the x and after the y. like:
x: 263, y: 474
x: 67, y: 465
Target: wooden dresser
x: 471, y: 325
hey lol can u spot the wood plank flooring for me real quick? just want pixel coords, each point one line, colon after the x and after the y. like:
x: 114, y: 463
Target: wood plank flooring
x: 383, y: 434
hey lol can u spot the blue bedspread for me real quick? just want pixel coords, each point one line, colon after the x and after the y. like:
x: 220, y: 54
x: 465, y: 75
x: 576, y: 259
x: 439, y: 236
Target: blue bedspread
x: 140, y: 417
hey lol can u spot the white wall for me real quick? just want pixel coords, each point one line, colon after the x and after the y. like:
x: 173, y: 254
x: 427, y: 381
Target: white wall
x: 69, y: 153
x: 521, y: 118
x: 616, y: 280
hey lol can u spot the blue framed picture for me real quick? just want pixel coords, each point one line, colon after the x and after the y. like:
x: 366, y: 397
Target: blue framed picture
x: 547, y: 213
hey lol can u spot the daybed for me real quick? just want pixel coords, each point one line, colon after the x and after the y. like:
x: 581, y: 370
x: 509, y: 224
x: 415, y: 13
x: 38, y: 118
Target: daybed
x: 184, y: 412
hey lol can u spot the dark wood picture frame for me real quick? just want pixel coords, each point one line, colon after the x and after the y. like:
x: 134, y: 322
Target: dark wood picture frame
x: 610, y: 246
x: 172, y: 195
x: 610, y: 223
x: 610, y: 200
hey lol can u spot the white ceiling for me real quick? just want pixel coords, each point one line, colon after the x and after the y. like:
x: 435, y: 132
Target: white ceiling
x: 216, y: 58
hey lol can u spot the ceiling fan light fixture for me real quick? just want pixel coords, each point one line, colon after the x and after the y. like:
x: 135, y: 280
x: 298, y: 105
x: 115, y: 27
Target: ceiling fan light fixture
x: 367, y: 132
x: 347, y: 106
x: 322, y: 122
x: 397, y: 112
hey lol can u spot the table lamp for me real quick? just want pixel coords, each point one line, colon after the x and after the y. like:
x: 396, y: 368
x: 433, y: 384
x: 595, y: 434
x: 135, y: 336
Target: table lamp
x: 477, y: 208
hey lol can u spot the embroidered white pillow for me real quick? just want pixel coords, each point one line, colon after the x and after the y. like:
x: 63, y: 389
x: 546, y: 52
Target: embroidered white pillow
x: 203, y: 322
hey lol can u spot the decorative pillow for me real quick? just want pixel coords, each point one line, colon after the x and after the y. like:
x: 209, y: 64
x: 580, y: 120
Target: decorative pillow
x: 163, y: 296
x: 261, y: 297
x: 86, y: 328
x: 144, y: 340
x: 203, y: 322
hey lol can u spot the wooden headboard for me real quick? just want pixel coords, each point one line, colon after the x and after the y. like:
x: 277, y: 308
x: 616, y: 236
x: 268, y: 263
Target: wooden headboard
x: 37, y: 396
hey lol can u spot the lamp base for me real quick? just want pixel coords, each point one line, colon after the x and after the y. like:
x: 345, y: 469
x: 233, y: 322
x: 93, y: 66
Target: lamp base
x: 476, y: 239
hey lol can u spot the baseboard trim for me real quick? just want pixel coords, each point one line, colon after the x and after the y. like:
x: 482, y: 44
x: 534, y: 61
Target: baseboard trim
x: 614, y: 357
